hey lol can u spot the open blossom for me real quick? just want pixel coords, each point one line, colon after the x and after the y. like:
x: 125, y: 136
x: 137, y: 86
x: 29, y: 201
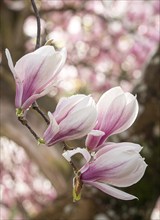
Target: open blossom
x: 73, y: 118
x: 117, y: 110
x: 35, y: 74
x: 114, y: 165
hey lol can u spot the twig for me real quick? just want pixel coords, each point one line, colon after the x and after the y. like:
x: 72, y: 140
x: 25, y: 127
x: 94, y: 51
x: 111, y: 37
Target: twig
x: 25, y: 123
x: 36, y: 108
x: 38, y: 24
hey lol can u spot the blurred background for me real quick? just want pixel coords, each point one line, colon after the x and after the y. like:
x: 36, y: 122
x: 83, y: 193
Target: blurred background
x: 109, y: 43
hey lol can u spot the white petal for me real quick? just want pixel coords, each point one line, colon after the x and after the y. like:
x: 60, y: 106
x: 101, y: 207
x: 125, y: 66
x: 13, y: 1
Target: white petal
x: 112, y: 191
x: 110, y: 118
x: 69, y: 153
x: 65, y: 105
x: 123, y: 146
x: 107, y: 98
x: 34, y: 97
x: 52, y: 129
x: 10, y: 62
x: 115, y: 157
x: 128, y: 117
x: 79, y: 123
x: 96, y: 133
x: 128, y: 175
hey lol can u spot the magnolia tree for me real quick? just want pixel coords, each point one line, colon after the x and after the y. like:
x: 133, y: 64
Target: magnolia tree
x: 117, y: 61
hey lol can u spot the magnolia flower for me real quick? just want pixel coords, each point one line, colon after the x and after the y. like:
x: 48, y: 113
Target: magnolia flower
x: 73, y: 118
x: 35, y: 74
x: 114, y: 165
x: 117, y: 110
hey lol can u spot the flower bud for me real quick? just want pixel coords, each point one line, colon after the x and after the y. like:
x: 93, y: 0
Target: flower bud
x: 73, y: 118
x: 35, y: 74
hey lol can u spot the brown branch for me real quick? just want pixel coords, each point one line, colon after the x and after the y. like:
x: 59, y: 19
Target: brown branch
x: 36, y: 108
x: 38, y: 24
x: 25, y: 123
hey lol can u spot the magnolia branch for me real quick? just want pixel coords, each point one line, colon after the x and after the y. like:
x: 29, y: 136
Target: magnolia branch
x: 36, y: 108
x: 38, y: 24
x: 25, y: 123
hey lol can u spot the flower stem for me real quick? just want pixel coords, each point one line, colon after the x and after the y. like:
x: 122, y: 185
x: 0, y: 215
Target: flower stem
x: 25, y: 123
x: 38, y: 24
x: 36, y: 108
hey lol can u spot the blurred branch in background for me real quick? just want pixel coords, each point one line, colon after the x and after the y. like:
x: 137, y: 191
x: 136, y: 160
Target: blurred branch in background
x: 109, y: 43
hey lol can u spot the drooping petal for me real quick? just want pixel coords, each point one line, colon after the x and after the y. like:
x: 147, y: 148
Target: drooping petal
x: 69, y: 153
x: 112, y: 191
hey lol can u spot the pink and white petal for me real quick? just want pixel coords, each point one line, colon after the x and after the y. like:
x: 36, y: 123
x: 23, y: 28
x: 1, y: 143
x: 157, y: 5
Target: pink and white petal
x: 28, y: 101
x: 115, y: 158
x: 10, y: 62
x: 107, y: 98
x: 124, y: 174
x: 49, y: 68
x: 128, y: 117
x: 87, y: 101
x: 69, y: 153
x: 113, y: 115
x: 84, y: 168
x: 92, y: 142
x: 52, y: 129
x: 63, y: 54
x: 112, y: 191
x: 19, y: 94
x: 65, y: 105
x: 80, y: 122
x: 96, y: 133
x: 123, y: 146
x: 124, y: 179
x: 45, y: 50
x: 29, y: 66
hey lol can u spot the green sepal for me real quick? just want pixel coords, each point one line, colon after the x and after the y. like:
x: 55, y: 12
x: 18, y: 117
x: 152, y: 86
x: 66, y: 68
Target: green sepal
x: 75, y: 196
x: 41, y: 141
x: 19, y: 112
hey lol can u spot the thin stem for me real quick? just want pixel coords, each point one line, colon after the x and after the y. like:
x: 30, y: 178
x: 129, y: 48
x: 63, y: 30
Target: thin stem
x: 36, y: 108
x: 38, y: 24
x: 25, y: 123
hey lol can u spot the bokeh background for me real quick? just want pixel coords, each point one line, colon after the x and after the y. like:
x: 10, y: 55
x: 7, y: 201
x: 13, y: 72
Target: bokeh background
x: 109, y: 43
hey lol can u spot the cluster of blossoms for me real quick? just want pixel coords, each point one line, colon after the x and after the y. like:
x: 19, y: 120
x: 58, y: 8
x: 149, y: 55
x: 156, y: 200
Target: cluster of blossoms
x: 108, y: 165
